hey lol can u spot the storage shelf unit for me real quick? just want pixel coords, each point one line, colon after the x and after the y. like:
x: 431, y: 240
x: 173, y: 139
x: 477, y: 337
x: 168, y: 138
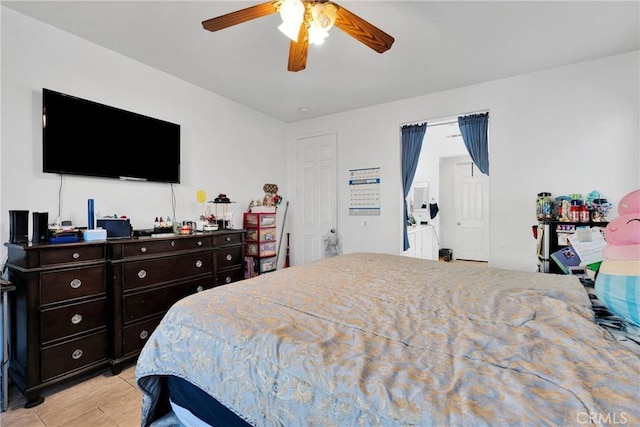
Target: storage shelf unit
x: 553, y: 236
x: 261, y: 241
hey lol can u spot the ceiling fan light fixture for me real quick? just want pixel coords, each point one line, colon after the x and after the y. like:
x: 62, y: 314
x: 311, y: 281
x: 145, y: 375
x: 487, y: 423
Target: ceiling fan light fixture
x: 292, y: 15
x: 307, y: 22
x: 290, y: 31
x: 317, y: 34
x: 324, y: 15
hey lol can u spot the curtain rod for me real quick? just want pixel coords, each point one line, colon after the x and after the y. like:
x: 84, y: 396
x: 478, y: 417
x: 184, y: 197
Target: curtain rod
x: 442, y: 121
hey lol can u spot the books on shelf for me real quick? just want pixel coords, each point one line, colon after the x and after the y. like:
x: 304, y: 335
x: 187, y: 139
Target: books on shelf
x: 589, y: 244
x: 566, y: 258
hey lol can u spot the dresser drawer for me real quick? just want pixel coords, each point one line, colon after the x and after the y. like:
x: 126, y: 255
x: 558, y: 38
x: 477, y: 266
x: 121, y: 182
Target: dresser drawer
x: 227, y: 239
x: 152, y: 246
x: 72, y: 319
x: 229, y: 275
x: 159, y: 300
x: 162, y: 270
x: 228, y: 257
x: 135, y: 336
x: 79, y: 253
x: 70, y: 284
x: 74, y: 354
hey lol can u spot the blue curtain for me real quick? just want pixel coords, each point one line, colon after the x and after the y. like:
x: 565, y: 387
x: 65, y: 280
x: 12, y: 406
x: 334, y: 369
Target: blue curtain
x: 474, y: 129
x: 412, y: 136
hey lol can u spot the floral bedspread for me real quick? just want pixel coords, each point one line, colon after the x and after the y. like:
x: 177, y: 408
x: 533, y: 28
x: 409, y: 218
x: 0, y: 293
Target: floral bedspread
x: 383, y: 340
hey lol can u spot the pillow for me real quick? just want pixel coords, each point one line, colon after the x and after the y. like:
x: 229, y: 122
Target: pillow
x: 618, y: 281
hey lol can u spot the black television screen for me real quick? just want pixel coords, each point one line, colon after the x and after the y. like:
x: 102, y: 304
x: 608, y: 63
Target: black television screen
x: 82, y: 137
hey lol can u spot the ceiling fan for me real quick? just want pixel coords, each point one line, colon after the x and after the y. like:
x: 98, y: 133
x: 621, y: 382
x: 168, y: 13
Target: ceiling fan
x: 305, y: 22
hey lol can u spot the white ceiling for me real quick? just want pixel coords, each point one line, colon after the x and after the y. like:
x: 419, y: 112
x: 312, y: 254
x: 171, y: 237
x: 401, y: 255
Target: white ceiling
x: 439, y: 45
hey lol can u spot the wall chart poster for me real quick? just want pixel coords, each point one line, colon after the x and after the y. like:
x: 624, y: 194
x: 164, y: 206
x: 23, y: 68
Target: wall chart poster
x: 364, y: 189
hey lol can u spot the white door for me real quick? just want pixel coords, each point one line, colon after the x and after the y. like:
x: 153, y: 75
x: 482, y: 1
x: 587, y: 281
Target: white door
x: 317, y: 196
x: 471, y: 212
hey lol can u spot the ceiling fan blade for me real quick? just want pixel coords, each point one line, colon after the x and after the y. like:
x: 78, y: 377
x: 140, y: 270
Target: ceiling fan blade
x: 239, y: 16
x: 298, y: 51
x: 362, y: 30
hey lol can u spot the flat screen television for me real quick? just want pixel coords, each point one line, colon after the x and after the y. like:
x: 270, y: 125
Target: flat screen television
x: 82, y: 137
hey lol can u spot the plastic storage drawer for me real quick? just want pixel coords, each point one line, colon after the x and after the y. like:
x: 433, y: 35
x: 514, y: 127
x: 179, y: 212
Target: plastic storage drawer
x: 261, y: 234
x: 259, y: 220
x: 263, y: 249
x: 267, y: 264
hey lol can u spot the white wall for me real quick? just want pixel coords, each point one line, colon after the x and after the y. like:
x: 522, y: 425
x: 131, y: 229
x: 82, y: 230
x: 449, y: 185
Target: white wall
x: 226, y: 147
x: 571, y: 129
x: 565, y: 130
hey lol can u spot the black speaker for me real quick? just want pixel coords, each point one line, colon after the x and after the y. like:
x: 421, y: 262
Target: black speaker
x: 40, y: 224
x: 18, y: 226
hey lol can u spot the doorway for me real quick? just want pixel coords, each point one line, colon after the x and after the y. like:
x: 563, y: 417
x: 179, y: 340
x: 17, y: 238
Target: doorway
x: 442, y: 147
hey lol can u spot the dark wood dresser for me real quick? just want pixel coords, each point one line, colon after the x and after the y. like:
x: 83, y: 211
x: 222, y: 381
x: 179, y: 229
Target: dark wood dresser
x: 149, y: 275
x: 80, y: 307
x: 58, y: 313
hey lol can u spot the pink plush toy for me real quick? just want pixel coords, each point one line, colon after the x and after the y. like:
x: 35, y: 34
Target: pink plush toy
x: 618, y: 281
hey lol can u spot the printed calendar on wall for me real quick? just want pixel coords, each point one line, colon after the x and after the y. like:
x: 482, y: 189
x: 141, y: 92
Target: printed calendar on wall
x: 364, y: 190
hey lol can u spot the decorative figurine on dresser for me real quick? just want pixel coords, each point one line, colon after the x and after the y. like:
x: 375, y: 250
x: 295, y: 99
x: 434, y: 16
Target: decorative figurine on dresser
x: 85, y: 306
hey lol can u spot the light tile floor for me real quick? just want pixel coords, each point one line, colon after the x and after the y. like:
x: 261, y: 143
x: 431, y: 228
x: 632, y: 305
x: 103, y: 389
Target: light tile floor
x: 103, y: 400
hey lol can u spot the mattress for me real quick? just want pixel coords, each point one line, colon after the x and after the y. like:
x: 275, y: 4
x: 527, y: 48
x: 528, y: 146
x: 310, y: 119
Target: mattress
x: 194, y: 407
x: 375, y: 339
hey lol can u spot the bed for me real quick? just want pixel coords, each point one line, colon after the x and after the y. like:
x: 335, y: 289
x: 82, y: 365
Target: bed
x: 381, y: 340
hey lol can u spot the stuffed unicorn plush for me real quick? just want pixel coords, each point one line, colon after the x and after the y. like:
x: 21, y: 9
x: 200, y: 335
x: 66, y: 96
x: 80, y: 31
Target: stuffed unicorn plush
x: 618, y: 281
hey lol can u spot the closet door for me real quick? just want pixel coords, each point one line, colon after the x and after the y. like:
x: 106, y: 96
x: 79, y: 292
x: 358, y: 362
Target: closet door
x: 471, y: 229
x: 316, y: 210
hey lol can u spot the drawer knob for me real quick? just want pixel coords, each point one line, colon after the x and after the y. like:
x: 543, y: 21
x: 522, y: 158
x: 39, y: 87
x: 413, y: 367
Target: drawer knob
x: 199, y: 243
x: 227, y: 279
x: 75, y: 255
x: 143, y: 249
x: 198, y: 263
x: 228, y: 239
x: 229, y: 257
x: 77, y: 318
x: 173, y: 243
x: 199, y: 289
x: 75, y: 283
x: 76, y: 354
x: 143, y: 335
x: 142, y: 274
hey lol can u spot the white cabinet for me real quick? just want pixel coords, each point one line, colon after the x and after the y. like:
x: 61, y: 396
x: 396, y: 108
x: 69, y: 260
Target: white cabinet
x: 422, y: 242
